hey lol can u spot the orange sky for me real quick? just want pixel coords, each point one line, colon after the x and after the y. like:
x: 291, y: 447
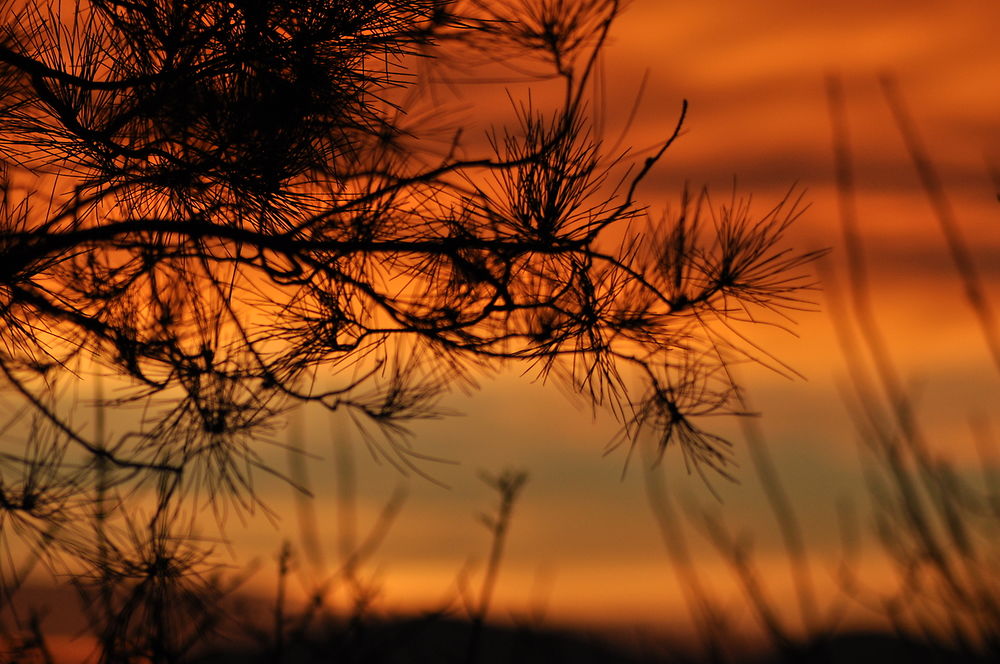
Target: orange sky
x: 583, y: 542
x: 754, y: 76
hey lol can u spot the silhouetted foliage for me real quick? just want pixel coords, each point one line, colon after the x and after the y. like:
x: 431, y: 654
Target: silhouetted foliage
x: 936, y: 524
x: 238, y: 207
x: 934, y: 517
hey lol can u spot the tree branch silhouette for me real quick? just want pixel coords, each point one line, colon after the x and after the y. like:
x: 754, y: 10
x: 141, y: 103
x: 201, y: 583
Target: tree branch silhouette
x: 235, y: 208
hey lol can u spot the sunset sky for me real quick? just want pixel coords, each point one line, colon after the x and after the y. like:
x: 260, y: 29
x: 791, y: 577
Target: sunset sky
x: 584, y: 544
x: 584, y: 547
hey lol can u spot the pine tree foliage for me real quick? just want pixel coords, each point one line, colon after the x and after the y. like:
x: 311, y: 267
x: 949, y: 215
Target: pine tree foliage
x: 238, y: 206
